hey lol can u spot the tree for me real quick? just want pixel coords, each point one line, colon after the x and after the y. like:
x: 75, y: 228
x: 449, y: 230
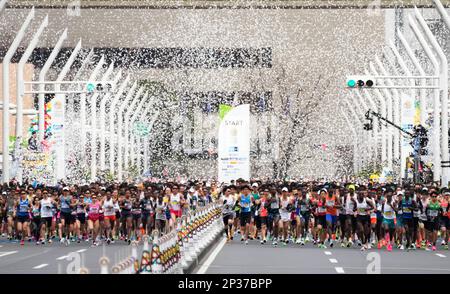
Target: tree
x: 295, y: 112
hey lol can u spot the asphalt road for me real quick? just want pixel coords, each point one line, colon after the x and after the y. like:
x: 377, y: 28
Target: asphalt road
x: 237, y: 258
x: 56, y: 258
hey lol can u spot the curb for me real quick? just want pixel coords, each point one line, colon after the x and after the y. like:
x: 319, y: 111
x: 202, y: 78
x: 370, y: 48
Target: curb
x: 190, y: 268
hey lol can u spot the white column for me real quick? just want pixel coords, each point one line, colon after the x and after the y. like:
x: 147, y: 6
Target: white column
x: 103, y: 102
x: 443, y: 85
x: 94, y: 124
x: 83, y: 111
x: 436, y: 100
x: 127, y: 115
x: 43, y: 72
x: 5, y: 89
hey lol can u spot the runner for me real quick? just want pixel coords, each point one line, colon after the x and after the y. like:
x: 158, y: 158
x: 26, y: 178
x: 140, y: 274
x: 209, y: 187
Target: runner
x: 227, y: 200
x: 245, y: 213
x: 363, y: 209
x: 23, y: 218
x: 109, y: 215
x: 332, y: 204
x: 433, y: 212
x: 67, y: 219
x: 93, y: 210
x: 388, y: 208
x: 47, y: 212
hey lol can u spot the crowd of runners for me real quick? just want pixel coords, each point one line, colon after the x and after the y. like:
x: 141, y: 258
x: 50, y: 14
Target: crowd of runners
x: 324, y: 214
x: 332, y: 214
x: 96, y: 213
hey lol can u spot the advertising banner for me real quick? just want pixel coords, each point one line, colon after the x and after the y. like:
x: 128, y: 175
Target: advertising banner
x: 57, y: 138
x: 234, y: 143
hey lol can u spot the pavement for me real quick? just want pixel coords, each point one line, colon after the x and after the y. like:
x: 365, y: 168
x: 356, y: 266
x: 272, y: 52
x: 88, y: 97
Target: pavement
x: 57, y: 258
x: 237, y: 258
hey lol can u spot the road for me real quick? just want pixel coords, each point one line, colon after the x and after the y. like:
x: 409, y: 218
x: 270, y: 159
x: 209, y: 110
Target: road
x: 52, y: 258
x: 229, y: 258
x: 237, y: 258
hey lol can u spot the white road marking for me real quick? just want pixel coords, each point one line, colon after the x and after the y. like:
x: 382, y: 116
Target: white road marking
x: 40, y: 266
x: 81, y: 250
x: 7, y: 253
x: 211, y: 257
x: 332, y: 260
x: 62, y: 257
x: 327, y: 252
x: 339, y: 270
x: 441, y: 255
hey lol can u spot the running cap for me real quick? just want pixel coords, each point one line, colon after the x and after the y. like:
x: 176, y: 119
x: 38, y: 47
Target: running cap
x: 65, y: 189
x: 4, y: 193
x: 400, y: 192
x: 424, y: 189
x: 285, y: 189
x: 103, y: 188
x: 255, y: 185
x: 192, y: 190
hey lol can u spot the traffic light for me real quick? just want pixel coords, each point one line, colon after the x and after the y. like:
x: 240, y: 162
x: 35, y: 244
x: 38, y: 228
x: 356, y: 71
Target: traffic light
x: 360, y: 82
x: 368, y: 126
x: 420, y: 140
x: 98, y: 87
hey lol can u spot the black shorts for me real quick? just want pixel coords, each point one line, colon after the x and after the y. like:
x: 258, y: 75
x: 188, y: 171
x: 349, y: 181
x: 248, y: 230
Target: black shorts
x: 443, y: 222
x: 432, y: 226
x: 260, y: 220
x: 23, y: 219
x: 146, y: 217
x: 342, y: 218
x: 125, y: 214
x: 245, y: 218
x: 226, y: 218
x: 237, y: 213
x: 82, y: 218
x: 46, y: 221
x: 363, y: 219
x: 117, y: 214
x: 305, y: 217
x: 321, y: 220
x: 68, y: 217
x: 409, y: 222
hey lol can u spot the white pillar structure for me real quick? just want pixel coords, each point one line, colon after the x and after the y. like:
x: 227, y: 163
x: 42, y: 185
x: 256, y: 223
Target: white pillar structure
x: 389, y: 115
x: 61, y: 154
x: 418, y: 66
x: 437, y: 171
x: 83, y: 112
x: 127, y: 116
x: 396, y: 110
x: 94, y: 124
x: 5, y: 89
x: 351, y: 126
x: 443, y: 85
x: 102, y: 118
x: 112, y: 112
x: 43, y: 72
x: 120, y: 119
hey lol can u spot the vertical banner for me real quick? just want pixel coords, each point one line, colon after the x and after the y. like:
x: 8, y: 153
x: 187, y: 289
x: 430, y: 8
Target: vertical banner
x: 234, y: 143
x: 408, y: 119
x: 57, y: 138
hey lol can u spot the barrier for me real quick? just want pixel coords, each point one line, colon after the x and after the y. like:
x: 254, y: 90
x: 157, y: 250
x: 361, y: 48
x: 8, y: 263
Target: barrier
x: 176, y: 251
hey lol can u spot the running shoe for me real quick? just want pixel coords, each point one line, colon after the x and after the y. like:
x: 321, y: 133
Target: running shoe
x: 302, y: 243
x: 242, y: 239
x: 38, y: 242
x: 379, y: 245
x: 262, y: 242
x: 433, y: 248
x: 413, y: 246
x: 442, y: 242
x: 314, y: 242
x: 402, y: 247
x: 298, y: 241
x: 129, y: 241
x: 49, y: 241
x: 62, y: 240
x: 307, y: 239
x: 112, y: 241
x: 359, y: 243
x: 108, y: 241
x: 67, y: 243
x: 446, y: 247
x: 323, y: 246
x: 389, y: 247
x: 369, y: 246
x: 22, y: 242
x: 363, y: 248
x: 343, y: 244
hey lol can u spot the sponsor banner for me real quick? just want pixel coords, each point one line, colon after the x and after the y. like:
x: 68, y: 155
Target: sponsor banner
x: 234, y: 143
x: 57, y: 138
